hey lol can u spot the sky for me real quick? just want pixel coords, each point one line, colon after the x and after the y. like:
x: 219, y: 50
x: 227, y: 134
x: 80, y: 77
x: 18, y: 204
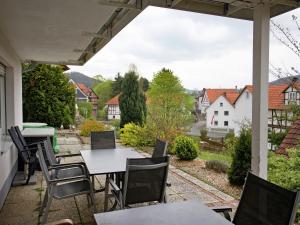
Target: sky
x: 202, y: 50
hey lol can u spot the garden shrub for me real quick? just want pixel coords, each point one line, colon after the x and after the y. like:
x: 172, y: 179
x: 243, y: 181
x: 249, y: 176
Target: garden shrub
x: 135, y: 135
x: 229, y: 142
x: 284, y: 171
x: 203, y: 134
x: 116, y: 126
x: 46, y: 93
x: 217, y: 166
x: 186, y: 148
x: 276, y: 138
x: 90, y: 125
x: 241, y: 158
x: 85, y: 109
x: 67, y: 119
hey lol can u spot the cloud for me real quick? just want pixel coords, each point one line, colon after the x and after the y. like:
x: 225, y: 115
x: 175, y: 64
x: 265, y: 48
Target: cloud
x: 203, y: 50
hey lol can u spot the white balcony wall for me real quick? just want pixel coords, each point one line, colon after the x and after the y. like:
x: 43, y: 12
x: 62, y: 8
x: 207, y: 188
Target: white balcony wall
x: 13, y: 95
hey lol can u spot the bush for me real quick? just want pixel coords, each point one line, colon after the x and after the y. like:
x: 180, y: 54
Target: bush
x: 186, y: 148
x: 284, y: 171
x: 135, y: 135
x: 241, y: 159
x: 102, y: 114
x: 46, y: 93
x: 229, y: 142
x: 203, y: 134
x: 90, y: 125
x: 217, y: 166
x: 67, y: 119
x: 85, y: 109
x: 116, y: 126
x: 276, y: 138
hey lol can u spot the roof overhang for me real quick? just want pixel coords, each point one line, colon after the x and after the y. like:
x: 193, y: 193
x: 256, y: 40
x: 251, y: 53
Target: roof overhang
x: 72, y: 31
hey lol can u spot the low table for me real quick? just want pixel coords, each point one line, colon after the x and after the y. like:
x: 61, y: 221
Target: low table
x: 180, y: 213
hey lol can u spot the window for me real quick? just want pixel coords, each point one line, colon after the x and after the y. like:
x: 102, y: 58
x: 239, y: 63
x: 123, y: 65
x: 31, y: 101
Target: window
x: 225, y: 123
x: 216, y: 113
x: 2, y: 101
x: 221, y: 104
x: 226, y: 113
x: 216, y: 122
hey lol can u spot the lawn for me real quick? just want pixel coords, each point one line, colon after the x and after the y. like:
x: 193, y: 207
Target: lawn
x: 220, y: 156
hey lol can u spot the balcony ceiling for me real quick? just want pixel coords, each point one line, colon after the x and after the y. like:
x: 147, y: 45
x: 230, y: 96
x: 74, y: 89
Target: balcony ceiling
x: 72, y: 31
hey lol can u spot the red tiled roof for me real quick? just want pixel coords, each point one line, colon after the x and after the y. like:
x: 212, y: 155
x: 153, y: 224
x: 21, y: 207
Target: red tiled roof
x: 213, y: 94
x: 276, y: 95
x: 86, y: 90
x: 231, y: 96
x: 291, y: 140
x: 113, y: 101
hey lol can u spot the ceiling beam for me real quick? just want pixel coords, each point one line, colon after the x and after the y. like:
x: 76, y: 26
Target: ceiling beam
x: 291, y: 3
x: 94, y: 35
x: 118, y: 4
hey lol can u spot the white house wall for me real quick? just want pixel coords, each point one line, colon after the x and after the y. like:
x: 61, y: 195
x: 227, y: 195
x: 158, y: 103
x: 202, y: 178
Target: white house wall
x: 221, y: 118
x: 8, y: 155
x: 243, y: 110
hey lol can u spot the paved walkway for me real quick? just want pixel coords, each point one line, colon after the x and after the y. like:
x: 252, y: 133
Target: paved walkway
x: 22, y: 204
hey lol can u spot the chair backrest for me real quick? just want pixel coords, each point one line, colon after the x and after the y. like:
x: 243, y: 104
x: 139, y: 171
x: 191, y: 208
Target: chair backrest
x: 16, y: 140
x: 264, y: 203
x: 160, y: 148
x: 49, y: 152
x: 42, y: 162
x: 103, y: 140
x: 145, y: 180
x: 21, y: 137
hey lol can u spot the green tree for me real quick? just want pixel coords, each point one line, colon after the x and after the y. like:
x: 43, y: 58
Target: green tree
x: 241, y: 160
x: 117, y: 85
x: 169, y: 108
x: 132, y: 101
x: 47, y: 95
x: 144, y: 84
x: 85, y: 109
x: 104, y: 92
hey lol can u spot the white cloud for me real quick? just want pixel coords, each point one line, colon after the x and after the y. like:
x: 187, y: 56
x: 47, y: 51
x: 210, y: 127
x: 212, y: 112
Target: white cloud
x: 203, y: 50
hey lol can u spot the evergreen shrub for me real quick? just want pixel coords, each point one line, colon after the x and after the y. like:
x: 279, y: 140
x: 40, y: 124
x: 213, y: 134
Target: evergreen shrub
x: 90, y: 125
x: 186, y: 148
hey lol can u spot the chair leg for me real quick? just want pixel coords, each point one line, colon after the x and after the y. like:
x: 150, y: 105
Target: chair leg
x: 106, y: 193
x: 44, y: 203
x: 165, y: 198
x: 93, y: 202
x: 45, y: 214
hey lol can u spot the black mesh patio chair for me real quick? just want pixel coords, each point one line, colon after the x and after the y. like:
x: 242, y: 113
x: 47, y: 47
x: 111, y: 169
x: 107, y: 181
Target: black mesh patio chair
x: 27, y: 155
x: 264, y: 203
x: 63, y: 169
x: 22, y: 139
x: 144, y: 181
x: 103, y: 140
x: 61, y: 188
x: 160, y: 148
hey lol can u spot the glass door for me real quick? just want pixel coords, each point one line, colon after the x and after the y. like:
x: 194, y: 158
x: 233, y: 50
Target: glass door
x: 2, y: 104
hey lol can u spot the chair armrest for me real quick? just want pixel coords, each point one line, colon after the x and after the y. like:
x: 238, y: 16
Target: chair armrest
x: 67, y: 166
x: 58, y: 180
x: 34, y: 143
x: 67, y: 155
x: 224, y: 210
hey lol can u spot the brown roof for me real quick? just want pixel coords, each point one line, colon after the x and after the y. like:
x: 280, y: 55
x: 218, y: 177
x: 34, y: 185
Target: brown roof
x: 276, y: 95
x: 86, y: 90
x: 113, y: 101
x: 231, y: 96
x: 213, y: 94
x: 291, y: 140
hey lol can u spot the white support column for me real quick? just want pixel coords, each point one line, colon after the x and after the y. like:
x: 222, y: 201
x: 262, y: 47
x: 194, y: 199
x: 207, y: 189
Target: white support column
x: 261, y: 32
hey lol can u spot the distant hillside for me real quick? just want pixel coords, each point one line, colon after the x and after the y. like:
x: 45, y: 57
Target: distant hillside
x: 81, y: 78
x: 285, y: 80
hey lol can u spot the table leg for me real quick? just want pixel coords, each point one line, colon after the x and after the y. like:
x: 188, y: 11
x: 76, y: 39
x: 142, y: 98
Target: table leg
x: 106, y: 193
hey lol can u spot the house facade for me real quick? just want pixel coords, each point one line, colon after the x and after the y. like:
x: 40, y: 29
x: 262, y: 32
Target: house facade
x: 113, y: 109
x: 210, y: 95
x: 86, y: 94
x: 240, y: 108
